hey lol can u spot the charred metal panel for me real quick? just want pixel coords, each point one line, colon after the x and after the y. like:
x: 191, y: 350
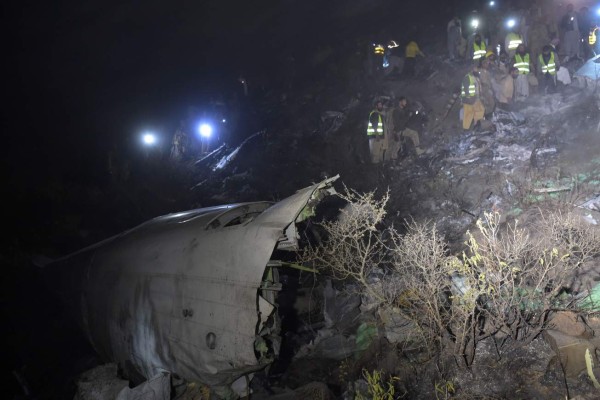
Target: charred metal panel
x: 180, y: 292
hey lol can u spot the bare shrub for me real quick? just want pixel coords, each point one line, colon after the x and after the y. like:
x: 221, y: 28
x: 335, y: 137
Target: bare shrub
x: 504, y: 285
x: 419, y: 257
x: 355, y: 243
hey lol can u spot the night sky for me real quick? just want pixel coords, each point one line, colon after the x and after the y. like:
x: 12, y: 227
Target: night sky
x: 85, y: 77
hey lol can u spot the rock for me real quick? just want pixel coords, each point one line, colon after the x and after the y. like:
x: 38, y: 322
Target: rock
x: 341, y: 309
x: 100, y: 383
x: 397, y: 328
x: 156, y: 388
x: 568, y: 322
x: 571, y: 351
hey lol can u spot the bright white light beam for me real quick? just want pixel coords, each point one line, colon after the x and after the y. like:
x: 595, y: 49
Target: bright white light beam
x: 149, y: 139
x: 205, y: 130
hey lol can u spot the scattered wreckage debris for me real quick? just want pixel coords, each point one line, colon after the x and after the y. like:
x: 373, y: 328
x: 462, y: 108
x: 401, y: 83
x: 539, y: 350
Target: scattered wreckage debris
x: 191, y: 293
x: 589, y: 74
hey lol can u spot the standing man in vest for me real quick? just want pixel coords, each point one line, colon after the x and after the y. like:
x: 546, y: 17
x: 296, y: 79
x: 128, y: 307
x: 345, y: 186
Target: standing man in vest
x: 547, y: 67
x: 512, y: 41
x: 473, y: 109
x: 478, y: 48
x: 376, y: 134
x: 522, y: 62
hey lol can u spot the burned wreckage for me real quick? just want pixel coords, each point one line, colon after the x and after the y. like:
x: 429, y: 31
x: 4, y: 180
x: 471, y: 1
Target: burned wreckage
x: 192, y: 293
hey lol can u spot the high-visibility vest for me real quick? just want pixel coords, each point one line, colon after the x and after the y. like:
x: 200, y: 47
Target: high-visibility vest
x: 522, y: 63
x: 514, y: 40
x: 479, y: 51
x: 472, y: 89
x: 592, y: 38
x: 371, y: 130
x: 549, y: 68
x: 379, y: 50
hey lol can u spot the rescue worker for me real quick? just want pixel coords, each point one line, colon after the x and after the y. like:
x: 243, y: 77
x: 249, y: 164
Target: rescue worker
x: 505, y: 89
x: 180, y: 142
x: 478, y: 48
x: 522, y: 61
x: 487, y: 92
x: 412, y: 50
x: 454, y: 31
x: 511, y: 42
x: 378, y: 55
x: 473, y: 110
x: 400, y: 115
x: 547, y: 66
x: 376, y: 134
x: 539, y: 36
x: 570, y: 24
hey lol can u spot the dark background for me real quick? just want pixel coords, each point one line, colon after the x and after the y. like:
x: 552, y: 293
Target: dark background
x: 83, y: 78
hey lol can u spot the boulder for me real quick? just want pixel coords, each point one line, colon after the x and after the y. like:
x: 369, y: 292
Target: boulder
x: 569, y: 323
x: 571, y: 351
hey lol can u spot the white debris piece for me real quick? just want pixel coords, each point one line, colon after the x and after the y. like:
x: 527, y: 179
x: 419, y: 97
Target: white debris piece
x: 592, y: 204
x: 512, y: 153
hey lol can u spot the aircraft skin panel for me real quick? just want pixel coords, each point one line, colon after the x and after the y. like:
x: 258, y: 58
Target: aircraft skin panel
x: 180, y: 293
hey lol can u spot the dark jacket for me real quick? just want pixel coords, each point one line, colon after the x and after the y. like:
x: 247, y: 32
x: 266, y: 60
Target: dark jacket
x: 567, y: 24
x: 400, y: 118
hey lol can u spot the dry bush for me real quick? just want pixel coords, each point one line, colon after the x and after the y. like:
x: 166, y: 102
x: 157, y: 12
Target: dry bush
x: 355, y: 246
x: 422, y: 293
x: 504, y: 285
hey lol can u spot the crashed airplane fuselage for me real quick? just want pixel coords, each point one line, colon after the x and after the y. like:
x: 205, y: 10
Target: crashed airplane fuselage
x: 191, y: 293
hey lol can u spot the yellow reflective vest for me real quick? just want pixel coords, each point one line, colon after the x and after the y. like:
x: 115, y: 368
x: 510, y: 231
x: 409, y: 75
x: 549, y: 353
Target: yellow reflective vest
x: 522, y: 63
x: 379, y: 50
x: 549, y: 68
x: 479, y: 51
x: 471, y: 90
x: 514, y: 40
x: 375, y: 131
x: 592, y: 38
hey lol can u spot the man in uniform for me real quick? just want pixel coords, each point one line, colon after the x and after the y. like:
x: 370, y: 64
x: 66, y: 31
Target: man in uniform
x: 478, y: 49
x: 522, y: 61
x: 547, y: 66
x: 376, y: 134
x: 473, y: 110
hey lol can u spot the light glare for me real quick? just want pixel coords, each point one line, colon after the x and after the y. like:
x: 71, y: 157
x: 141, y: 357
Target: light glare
x: 149, y: 139
x: 205, y: 130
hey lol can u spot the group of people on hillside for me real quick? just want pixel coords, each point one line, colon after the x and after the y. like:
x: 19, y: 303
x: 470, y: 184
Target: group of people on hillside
x: 572, y: 33
x: 511, y: 54
x: 389, y: 60
x: 388, y: 131
x: 526, y: 60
